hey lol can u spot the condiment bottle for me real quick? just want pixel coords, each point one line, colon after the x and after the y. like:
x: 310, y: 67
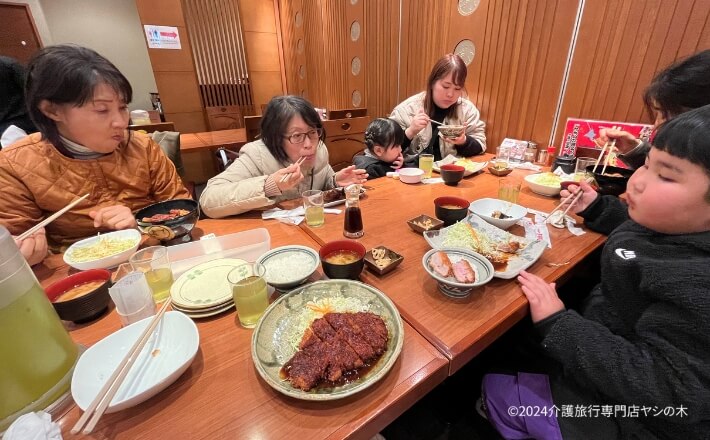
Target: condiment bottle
x: 531, y: 152
x: 550, y: 155
x: 352, y: 227
x: 37, y: 352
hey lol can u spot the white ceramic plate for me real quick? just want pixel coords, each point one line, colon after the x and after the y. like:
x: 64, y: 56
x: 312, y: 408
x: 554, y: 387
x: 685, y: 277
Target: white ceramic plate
x: 166, y: 355
x: 520, y: 261
x: 279, y: 331
x: 471, y: 166
x: 294, y: 274
x: 106, y: 262
x: 205, y: 285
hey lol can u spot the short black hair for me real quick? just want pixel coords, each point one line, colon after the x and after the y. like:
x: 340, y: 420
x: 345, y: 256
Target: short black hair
x: 278, y: 114
x: 68, y: 74
x: 384, y: 132
x: 687, y: 136
x: 680, y: 87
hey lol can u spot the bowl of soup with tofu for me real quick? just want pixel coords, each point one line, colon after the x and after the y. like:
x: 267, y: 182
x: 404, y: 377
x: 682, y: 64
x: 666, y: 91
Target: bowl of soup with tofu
x: 81, y: 297
x: 342, y: 259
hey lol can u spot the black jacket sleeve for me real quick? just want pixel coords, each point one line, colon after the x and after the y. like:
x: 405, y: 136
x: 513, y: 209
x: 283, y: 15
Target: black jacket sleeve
x: 604, y: 214
x: 471, y: 148
x: 636, y: 157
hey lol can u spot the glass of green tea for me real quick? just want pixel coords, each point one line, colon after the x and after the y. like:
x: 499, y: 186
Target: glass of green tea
x: 155, y: 264
x: 249, y: 291
x: 313, y: 206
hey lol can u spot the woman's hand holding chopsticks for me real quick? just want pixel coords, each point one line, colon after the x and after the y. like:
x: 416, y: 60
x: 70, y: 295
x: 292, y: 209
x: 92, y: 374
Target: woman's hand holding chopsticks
x: 34, y: 247
x: 290, y: 176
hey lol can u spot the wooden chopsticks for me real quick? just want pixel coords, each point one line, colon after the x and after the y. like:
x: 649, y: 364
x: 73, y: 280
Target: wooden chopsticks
x: 51, y: 218
x: 102, y: 400
x: 608, y: 156
x: 287, y: 175
x: 436, y: 122
x: 572, y: 198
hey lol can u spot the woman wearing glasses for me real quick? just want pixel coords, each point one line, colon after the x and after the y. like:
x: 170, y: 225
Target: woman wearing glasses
x: 289, y: 158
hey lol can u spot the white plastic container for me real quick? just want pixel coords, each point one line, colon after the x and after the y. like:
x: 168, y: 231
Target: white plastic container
x: 247, y: 245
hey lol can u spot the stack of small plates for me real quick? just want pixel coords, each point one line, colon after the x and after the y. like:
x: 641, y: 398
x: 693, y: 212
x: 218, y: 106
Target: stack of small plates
x: 204, y: 290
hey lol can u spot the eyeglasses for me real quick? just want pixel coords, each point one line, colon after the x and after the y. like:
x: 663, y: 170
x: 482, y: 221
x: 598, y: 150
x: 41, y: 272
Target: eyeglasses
x: 299, y: 138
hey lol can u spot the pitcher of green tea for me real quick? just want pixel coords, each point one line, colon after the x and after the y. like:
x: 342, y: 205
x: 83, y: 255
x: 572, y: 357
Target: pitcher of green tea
x: 37, y: 352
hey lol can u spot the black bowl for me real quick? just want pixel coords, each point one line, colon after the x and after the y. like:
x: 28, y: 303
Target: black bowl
x: 456, y: 210
x: 613, y: 181
x: 86, y: 307
x: 452, y: 174
x: 168, y: 229
x: 349, y: 271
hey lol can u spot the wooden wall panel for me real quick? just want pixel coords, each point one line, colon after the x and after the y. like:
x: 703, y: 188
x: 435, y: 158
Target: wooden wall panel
x: 613, y: 64
x: 381, y: 24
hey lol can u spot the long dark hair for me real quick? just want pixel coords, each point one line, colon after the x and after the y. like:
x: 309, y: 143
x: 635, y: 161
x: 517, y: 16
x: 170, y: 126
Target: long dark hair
x: 278, y: 114
x: 680, y: 87
x: 448, y: 63
x: 68, y: 74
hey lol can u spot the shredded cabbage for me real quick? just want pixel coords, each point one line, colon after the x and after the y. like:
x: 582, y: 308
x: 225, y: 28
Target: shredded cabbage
x: 548, y: 179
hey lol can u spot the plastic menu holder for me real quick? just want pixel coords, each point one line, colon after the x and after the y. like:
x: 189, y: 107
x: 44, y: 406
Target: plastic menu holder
x: 247, y: 245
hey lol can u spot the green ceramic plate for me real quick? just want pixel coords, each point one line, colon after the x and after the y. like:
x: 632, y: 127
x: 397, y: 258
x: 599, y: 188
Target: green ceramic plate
x: 279, y: 331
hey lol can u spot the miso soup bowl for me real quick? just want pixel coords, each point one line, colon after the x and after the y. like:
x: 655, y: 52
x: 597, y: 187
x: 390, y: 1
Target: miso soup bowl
x: 449, y: 216
x: 86, y: 307
x: 349, y: 271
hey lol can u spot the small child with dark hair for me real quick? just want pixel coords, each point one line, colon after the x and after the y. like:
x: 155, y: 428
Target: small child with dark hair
x: 636, y: 358
x: 383, y: 138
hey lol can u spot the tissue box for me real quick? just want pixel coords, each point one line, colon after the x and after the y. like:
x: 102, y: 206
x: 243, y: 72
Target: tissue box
x: 584, y: 134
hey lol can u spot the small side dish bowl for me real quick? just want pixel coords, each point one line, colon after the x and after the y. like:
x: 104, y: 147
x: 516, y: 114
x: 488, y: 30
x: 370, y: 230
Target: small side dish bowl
x: 452, y: 174
x: 613, y: 181
x: 387, y: 261
x: 350, y: 266
x: 450, y: 209
x: 451, y: 131
x: 500, y: 172
x: 410, y: 175
x: 81, y: 297
x: 288, y: 266
x: 449, y: 286
x: 424, y: 223
x: 545, y: 184
x: 170, y: 228
x: 485, y: 208
x: 100, y: 255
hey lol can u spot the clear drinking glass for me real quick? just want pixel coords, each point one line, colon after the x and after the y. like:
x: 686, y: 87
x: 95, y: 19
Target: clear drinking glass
x: 313, y: 206
x: 580, y: 169
x: 426, y: 163
x: 508, y: 190
x: 249, y: 291
x: 155, y: 263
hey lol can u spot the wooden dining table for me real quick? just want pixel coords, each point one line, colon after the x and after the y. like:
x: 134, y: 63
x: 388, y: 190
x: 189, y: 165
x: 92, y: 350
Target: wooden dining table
x: 221, y: 395
x: 459, y: 328
x: 209, y: 140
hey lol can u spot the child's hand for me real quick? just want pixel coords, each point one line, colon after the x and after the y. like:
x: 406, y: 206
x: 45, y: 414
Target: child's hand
x: 397, y: 163
x: 542, y: 296
x: 583, y: 202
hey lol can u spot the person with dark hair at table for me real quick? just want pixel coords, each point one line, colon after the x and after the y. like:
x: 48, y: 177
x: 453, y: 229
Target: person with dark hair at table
x: 444, y: 102
x: 383, y: 148
x: 289, y: 158
x: 79, y: 102
x: 15, y: 122
x: 680, y: 87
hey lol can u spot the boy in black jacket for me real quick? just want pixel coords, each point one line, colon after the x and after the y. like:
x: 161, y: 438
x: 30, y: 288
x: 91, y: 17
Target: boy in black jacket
x: 383, y: 139
x: 636, y: 361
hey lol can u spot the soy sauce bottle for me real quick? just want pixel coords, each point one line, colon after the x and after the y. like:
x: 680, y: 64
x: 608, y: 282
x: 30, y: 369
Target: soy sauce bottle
x: 352, y: 227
